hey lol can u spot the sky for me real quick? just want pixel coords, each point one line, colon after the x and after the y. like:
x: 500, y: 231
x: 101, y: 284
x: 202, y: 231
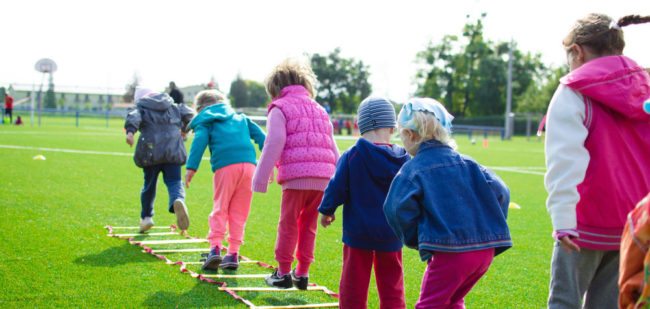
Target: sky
x: 102, y: 44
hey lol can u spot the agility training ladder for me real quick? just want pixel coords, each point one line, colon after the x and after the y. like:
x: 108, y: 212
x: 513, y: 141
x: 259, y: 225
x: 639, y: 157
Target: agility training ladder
x: 148, y: 247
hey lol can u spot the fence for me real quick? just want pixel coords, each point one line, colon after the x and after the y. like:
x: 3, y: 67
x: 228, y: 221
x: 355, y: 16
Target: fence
x: 54, y: 116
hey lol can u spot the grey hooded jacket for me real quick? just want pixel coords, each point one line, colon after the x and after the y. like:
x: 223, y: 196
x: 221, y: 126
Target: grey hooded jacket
x: 160, y: 122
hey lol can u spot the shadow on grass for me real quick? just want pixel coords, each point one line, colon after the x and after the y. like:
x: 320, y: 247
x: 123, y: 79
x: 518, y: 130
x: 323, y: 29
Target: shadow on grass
x: 202, y: 295
x: 116, y: 256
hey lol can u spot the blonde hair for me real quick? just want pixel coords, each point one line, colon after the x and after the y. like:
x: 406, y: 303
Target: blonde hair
x: 290, y: 72
x: 600, y: 33
x: 428, y: 127
x: 206, y: 98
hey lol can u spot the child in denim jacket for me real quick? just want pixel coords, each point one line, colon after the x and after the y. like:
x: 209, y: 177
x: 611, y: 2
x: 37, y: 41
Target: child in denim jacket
x: 445, y: 205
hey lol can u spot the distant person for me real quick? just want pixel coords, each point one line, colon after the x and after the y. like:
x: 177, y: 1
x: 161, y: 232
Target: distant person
x: 445, y: 205
x: 233, y: 161
x: 19, y: 120
x: 301, y: 144
x: 175, y: 93
x: 361, y: 182
x: 160, y: 148
x: 597, y: 160
x: 9, y: 106
x: 327, y: 108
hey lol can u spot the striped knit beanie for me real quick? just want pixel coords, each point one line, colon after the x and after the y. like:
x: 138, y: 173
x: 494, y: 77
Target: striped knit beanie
x: 375, y: 113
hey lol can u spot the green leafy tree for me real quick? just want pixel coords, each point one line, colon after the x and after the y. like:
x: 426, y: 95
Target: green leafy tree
x: 342, y: 82
x: 538, y: 95
x: 469, y: 76
x: 256, y: 93
x: 50, y: 96
x: 238, y: 95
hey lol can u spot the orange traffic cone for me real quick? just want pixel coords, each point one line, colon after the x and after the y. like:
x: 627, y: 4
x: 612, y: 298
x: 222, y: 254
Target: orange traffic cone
x: 485, y: 143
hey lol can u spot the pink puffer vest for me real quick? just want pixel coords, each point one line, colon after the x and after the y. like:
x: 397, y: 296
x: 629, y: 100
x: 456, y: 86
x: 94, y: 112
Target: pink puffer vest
x: 308, y: 149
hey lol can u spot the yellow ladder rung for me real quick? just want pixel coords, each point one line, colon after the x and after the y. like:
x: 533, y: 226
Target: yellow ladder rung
x: 179, y: 250
x: 236, y: 276
x: 143, y: 234
x: 323, y: 305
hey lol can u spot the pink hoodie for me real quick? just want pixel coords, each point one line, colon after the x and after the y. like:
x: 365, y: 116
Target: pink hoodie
x: 618, y: 174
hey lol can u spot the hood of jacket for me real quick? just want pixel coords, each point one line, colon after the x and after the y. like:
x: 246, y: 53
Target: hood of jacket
x: 382, y: 161
x: 216, y: 112
x: 616, y: 82
x: 160, y: 102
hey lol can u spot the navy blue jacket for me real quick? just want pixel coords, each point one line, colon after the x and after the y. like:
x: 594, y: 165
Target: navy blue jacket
x: 362, y: 179
x: 444, y: 201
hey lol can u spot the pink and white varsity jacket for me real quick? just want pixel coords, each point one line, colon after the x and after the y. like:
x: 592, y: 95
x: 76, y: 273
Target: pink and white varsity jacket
x: 598, y: 149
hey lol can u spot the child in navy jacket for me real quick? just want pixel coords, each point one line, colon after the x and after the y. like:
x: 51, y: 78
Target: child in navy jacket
x: 362, y: 179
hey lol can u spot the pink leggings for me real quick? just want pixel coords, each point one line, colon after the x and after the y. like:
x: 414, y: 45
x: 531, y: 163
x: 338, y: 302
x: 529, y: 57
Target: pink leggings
x: 450, y: 276
x: 297, y: 229
x: 355, y: 278
x: 232, y: 203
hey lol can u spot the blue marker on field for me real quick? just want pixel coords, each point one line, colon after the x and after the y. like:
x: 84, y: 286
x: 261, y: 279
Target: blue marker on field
x: 646, y: 106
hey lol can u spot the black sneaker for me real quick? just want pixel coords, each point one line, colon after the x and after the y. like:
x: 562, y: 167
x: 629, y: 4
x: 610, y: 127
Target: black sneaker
x: 212, y: 261
x: 274, y: 280
x: 299, y: 282
x: 230, y: 262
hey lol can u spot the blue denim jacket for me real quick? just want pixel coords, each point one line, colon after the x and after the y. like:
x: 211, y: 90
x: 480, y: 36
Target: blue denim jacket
x: 444, y: 201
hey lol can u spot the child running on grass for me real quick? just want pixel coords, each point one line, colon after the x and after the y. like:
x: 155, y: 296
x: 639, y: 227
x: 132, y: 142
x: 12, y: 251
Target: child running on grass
x: 233, y: 159
x: 361, y: 182
x: 597, y: 160
x: 445, y: 205
x: 160, y: 148
x: 300, y: 142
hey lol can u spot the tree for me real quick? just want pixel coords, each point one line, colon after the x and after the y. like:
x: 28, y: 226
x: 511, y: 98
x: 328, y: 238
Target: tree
x: 238, y: 95
x: 256, y: 94
x: 50, y: 97
x: 538, y: 95
x: 342, y: 83
x: 470, y: 77
x: 130, y: 88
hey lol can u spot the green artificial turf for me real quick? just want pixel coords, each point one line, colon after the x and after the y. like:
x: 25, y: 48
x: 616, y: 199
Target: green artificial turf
x: 54, y: 251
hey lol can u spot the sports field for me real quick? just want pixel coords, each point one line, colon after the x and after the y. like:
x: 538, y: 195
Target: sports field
x: 54, y: 251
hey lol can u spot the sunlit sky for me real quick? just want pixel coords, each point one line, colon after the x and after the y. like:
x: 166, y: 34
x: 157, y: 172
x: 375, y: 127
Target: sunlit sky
x: 102, y: 44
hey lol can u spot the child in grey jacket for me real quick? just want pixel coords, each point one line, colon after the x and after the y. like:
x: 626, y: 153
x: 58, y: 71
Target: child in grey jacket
x: 160, y: 148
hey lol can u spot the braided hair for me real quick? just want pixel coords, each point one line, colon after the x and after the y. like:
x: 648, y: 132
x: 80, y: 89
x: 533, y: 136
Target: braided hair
x: 600, y: 33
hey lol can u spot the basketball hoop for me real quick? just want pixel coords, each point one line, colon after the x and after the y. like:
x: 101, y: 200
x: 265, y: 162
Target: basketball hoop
x: 45, y: 65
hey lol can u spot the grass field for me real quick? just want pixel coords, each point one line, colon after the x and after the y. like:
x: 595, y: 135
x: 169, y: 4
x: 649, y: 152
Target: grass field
x: 54, y: 251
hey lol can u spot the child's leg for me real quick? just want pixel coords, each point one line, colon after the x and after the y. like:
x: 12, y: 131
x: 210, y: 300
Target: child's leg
x: 148, y: 193
x: 307, y: 227
x: 172, y: 177
x: 573, y: 273
x: 285, y: 244
x: 355, y: 278
x: 240, y: 206
x: 223, y: 185
x: 450, y: 276
x: 603, y: 290
x: 389, y: 275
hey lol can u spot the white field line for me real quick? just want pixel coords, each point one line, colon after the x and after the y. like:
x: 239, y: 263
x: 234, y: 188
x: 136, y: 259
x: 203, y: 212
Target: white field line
x: 522, y: 170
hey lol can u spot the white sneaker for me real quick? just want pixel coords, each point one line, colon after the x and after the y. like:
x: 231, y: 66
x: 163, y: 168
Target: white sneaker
x: 146, y: 224
x: 182, y: 218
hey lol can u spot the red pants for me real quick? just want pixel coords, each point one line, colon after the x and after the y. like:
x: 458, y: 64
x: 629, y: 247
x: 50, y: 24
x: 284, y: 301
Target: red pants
x: 297, y: 229
x: 450, y: 276
x: 355, y: 278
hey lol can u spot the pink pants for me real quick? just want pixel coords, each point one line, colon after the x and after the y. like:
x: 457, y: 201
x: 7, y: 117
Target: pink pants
x: 297, y: 229
x: 450, y: 276
x: 232, y: 203
x: 355, y: 278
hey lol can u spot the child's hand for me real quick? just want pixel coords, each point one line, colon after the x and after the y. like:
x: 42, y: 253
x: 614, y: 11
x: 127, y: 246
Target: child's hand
x: 129, y: 139
x: 271, y: 177
x: 189, y: 174
x: 326, y: 221
x: 568, y: 244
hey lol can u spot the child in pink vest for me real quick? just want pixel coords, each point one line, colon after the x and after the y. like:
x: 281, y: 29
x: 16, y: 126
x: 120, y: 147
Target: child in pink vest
x: 300, y: 142
x: 597, y: 159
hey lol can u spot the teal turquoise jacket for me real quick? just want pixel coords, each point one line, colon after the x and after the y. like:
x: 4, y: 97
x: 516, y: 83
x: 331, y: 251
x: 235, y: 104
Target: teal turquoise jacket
x: 228, y: 135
